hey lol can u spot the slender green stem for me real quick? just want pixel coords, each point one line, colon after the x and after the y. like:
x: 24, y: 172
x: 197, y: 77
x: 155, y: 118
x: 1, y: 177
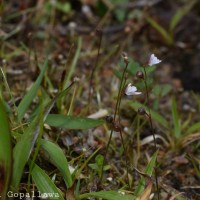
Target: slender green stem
x: 126, y: 160
x: 115, y: 114
x: 149, y: 110
x: 123, y: 144
x: 101, y: 177
x: 93, y: 72
x: 152, y: 129
x: 120, y: 91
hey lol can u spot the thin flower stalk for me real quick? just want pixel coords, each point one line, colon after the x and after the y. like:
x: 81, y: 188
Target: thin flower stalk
x: 100, y: 34
x: 152, y: 61
x: 115, y: 114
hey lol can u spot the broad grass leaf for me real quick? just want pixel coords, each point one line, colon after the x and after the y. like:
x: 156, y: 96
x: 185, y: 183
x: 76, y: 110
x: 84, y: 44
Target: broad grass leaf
x: 28, y: 98
x: 44, y: 184
x: 72, y: 122
x: 148, y: 171
x: 108, y: 195
x: 58, y: 158
x: 24, y: 147
x: 155, y: 116
x: 5, y: 152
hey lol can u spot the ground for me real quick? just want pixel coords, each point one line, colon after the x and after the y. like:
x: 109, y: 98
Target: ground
x: 70, y: 34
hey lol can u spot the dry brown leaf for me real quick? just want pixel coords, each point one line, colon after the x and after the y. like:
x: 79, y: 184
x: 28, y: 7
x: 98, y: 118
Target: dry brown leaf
x: 176, y: 195
x: 147, y: 192
x: 190, y: 138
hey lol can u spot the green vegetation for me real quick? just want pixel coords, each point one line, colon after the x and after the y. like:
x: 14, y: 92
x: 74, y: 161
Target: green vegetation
x: 79, y: 117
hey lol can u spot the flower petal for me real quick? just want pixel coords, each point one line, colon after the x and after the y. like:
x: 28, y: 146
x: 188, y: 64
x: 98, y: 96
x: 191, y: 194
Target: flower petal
x: 131, y: 90
x: 137, y: 93
x: 154, y: 60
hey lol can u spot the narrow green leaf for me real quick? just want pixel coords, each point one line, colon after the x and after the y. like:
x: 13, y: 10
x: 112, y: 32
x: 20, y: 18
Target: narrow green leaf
x: 164, y: 33
x: 180, y: 13
x: 5, y: 152
x: 149, y: 170
x: 45, y: 98
x: 37, y: 148
x: 78, y: 172
x: 176, y: 119
x: 193, y: 128
x: 24, y: 147
x: 28, y: 98
x: 58, y: 158
x: 162, y: 90
x: 155, y: 116
x: 72, y: 122
x: 166, y: 88
x: 73, y: 64
x: 45, y: 185
x: 64, y: 7
x: 109, y: 195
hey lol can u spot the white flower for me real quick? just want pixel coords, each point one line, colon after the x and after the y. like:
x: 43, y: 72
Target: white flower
x: 131, y: 90
x: 154, y: 60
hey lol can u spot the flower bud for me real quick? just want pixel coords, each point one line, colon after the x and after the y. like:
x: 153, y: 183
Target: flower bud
x: 99, y: 32
x: 109, y: 119
x: 141, y: 111
x: 125, y: 56
x: 140, y: 74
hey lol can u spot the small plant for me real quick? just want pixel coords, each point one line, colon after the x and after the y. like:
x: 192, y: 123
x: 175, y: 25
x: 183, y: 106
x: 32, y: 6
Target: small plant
x: 69, y: 129
x: 97, y: 166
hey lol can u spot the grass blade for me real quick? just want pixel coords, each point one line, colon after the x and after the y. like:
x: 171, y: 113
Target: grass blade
x: 148, y: 171
x: 161, y: 30
x: 25, y: 146
x: 180, y: 13
x: 109, y: 195
x: 72, y: 122
x: 28, y: 98
x: 74, y: 63
x: 58, y: 158
x: 78, y: 172
x: 176, y: 120
x: 45, y: 185
x: 5, y: 152
x: 193, y: 128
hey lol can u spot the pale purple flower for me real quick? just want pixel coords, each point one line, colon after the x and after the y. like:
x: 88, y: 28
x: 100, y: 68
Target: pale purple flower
x: 131, y: 90
x: 154, y: 60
